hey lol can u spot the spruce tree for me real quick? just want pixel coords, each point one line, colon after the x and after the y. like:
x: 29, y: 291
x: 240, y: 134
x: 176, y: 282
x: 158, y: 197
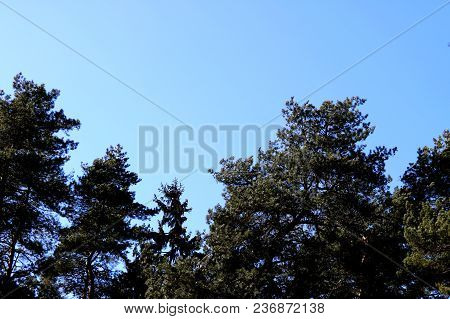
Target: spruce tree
x: 175, y: 241
x: 33, y: 186
x: 172, y: 257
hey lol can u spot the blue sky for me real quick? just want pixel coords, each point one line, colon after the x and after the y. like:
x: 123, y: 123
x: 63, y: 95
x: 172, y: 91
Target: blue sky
x: 229, y: 62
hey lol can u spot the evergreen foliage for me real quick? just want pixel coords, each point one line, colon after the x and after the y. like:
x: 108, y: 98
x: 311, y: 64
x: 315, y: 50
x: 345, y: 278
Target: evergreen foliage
x: 100, y: 234
x: 301, y: 221
x: 424, y: 200
x: 311, y: 216
x: 172, y: 261
x: 33, y: 186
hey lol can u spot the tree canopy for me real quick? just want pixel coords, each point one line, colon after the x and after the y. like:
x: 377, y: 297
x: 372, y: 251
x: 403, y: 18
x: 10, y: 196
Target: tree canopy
x: 33, y: 186
x: 424, y: 201
x: 312, y: 216
x: 300, y: 220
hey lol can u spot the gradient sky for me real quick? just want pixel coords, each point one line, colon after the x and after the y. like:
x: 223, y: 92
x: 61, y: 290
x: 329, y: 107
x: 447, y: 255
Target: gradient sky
x: 230, y: 62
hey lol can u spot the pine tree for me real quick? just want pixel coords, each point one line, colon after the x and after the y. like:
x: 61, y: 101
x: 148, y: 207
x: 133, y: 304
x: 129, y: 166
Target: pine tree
x: 100, y: 234
x: 33, y: 185
x: 301, y: 220
x: 424, y: 200
x: 312, y: 216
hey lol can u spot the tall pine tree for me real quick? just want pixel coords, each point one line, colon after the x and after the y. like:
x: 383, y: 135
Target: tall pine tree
x: 302, y: 221
x: 33, y: 186
x: 100, y: 234
x: 424, y: 199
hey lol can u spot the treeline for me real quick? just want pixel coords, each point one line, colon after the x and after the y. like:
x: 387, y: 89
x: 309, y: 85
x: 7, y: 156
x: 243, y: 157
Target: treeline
x: 312, y: 216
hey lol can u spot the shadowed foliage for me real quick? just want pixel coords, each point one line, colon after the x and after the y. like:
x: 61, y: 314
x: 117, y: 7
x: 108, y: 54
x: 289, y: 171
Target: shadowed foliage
x: 300, y: 221
x: 424, y: 201
x: 310, y: 217
x: 33, y: 185
x: 100, y: 234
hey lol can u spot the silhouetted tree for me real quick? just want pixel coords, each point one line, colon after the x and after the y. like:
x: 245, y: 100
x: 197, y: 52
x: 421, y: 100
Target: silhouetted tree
x: 301, y: 222
x: 176, y: 240
x: 172, y: 258
x: 33, y: 185
x: 312, y: 216
x: 100, y: 234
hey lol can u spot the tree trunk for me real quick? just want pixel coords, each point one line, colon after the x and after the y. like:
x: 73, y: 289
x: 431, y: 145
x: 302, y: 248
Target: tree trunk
x: 11, y: 257
x: 86, y: 285
x: 91, y: 283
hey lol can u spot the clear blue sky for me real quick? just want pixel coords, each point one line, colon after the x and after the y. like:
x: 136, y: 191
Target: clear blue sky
x: 215, y: 62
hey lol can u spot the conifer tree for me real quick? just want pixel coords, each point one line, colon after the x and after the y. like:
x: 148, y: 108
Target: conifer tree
x: 100, y: 234
x: 132, y: 283
x: 33, y: 186
x: 424, y: 200
x: 176, y: 240
x: 301, y: 220
x: 312, y: 216
x: 172, y: 258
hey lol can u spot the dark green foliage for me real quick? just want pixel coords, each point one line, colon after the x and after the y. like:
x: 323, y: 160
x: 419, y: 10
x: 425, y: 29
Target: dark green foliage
x: 100, y: 234
x: 165, y: 262
x: 33, y: 186
x: 299, y: 223
x: 132, y: 283
x: 424, y: 200
x: 310, y: 217
x: 176, y: 240
x: 184, y: 279
x: 172, y: 258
